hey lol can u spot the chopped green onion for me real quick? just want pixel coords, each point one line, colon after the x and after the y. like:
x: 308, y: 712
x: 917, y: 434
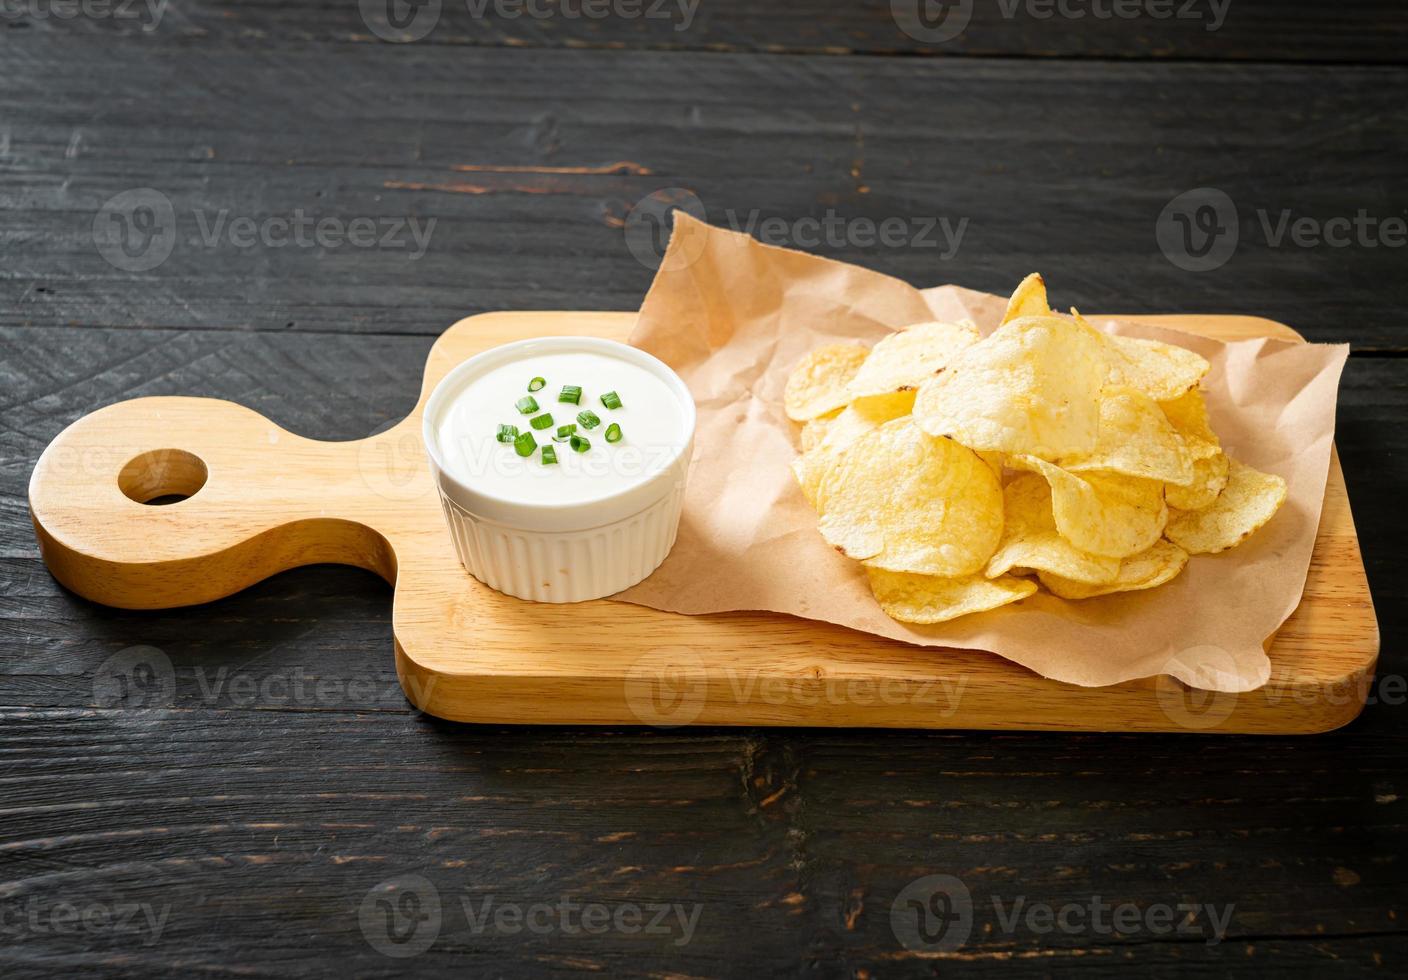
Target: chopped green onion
x: 571, y: 393
x: 525, y: 444
x: 611, y: 400
x: 580, y: 444
x: 537, y: 384
x: 507, y: 433
x: 589, y: 419
x: 541, y: 421
x: 549, y: 455
x: 564, y: 432
x: 527, y: 405
x: 613, y: 433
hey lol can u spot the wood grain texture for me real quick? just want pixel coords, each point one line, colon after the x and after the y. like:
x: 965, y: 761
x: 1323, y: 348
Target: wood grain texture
x: 261, y: 810
x: 529, y: 184
x: 1368, y: 31
x: 275, y: 501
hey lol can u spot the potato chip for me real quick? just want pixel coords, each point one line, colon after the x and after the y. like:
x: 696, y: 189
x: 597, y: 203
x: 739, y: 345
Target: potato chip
x: 1136, y: 439
x: 1032, y: 386
x: 865, y: 415
x: 1102, y: 513
x: 901, y: 500
x: 1162, y: 371
x: 1028, y: 299
x: 1146, y: 570
x: 814, y: 431
x: 908, y: 357
x: 1188, y: 415
x: 817, y: 384
x: 861, y: 416
x: 1209, y: 477
x: 912, y: 598
x: 1247, y: 502
x: 1030, y: 539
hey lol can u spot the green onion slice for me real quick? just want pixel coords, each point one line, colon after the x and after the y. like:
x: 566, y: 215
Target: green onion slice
x: 611, y: 400
x: 580, y: 444
x: 564, y: 432
x: 537, y: 384
x: 613, y: 433
x: 541, y: 421
x: 589, y: 419
x: 571, y: 393
x: 527, y: 405
x: 507, y: 433
x: 525, y: 444
x: 549, y: 455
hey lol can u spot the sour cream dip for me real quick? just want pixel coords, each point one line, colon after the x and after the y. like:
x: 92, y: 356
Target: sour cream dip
x: 550, y: 498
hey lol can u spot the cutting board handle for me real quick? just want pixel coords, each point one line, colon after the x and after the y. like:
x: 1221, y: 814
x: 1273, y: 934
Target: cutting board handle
x: 252, y: 500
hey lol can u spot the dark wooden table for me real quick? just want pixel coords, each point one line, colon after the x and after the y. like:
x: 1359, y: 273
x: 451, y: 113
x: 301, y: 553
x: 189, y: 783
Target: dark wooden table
x: 236, y: 816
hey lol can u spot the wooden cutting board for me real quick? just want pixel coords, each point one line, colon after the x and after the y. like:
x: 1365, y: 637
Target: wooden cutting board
x: 261, y: 500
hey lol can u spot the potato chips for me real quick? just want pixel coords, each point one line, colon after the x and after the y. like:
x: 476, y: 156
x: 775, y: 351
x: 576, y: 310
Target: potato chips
x: 902, y: 501
x: 1045, y: 452
x: 817, y: 384
x: 1033, y: 386
x: 909, y: 357
x: 912, y: 598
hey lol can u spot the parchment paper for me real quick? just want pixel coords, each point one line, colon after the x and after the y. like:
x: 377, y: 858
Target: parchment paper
x: 733, y: 316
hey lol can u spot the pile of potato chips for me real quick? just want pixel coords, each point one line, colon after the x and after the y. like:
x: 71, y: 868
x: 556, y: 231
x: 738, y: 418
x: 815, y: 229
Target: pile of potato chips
x: 962, y: 470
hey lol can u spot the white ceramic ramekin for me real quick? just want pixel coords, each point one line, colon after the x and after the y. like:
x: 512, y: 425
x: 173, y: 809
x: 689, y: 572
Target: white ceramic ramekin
x: 561, y: 552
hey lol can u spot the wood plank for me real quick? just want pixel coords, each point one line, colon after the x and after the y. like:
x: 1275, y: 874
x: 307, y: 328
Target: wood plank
x: 263, y: 822
x: 529, y: 167
x: 1292, y: 30
x: 274, y: 501
x: 795, y: 846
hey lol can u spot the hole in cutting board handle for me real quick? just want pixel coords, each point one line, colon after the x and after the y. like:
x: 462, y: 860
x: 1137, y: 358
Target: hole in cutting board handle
x: 163, y: 476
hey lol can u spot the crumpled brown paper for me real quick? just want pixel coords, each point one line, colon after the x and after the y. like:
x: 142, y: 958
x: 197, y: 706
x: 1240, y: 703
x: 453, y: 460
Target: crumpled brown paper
x: 733, y: 316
